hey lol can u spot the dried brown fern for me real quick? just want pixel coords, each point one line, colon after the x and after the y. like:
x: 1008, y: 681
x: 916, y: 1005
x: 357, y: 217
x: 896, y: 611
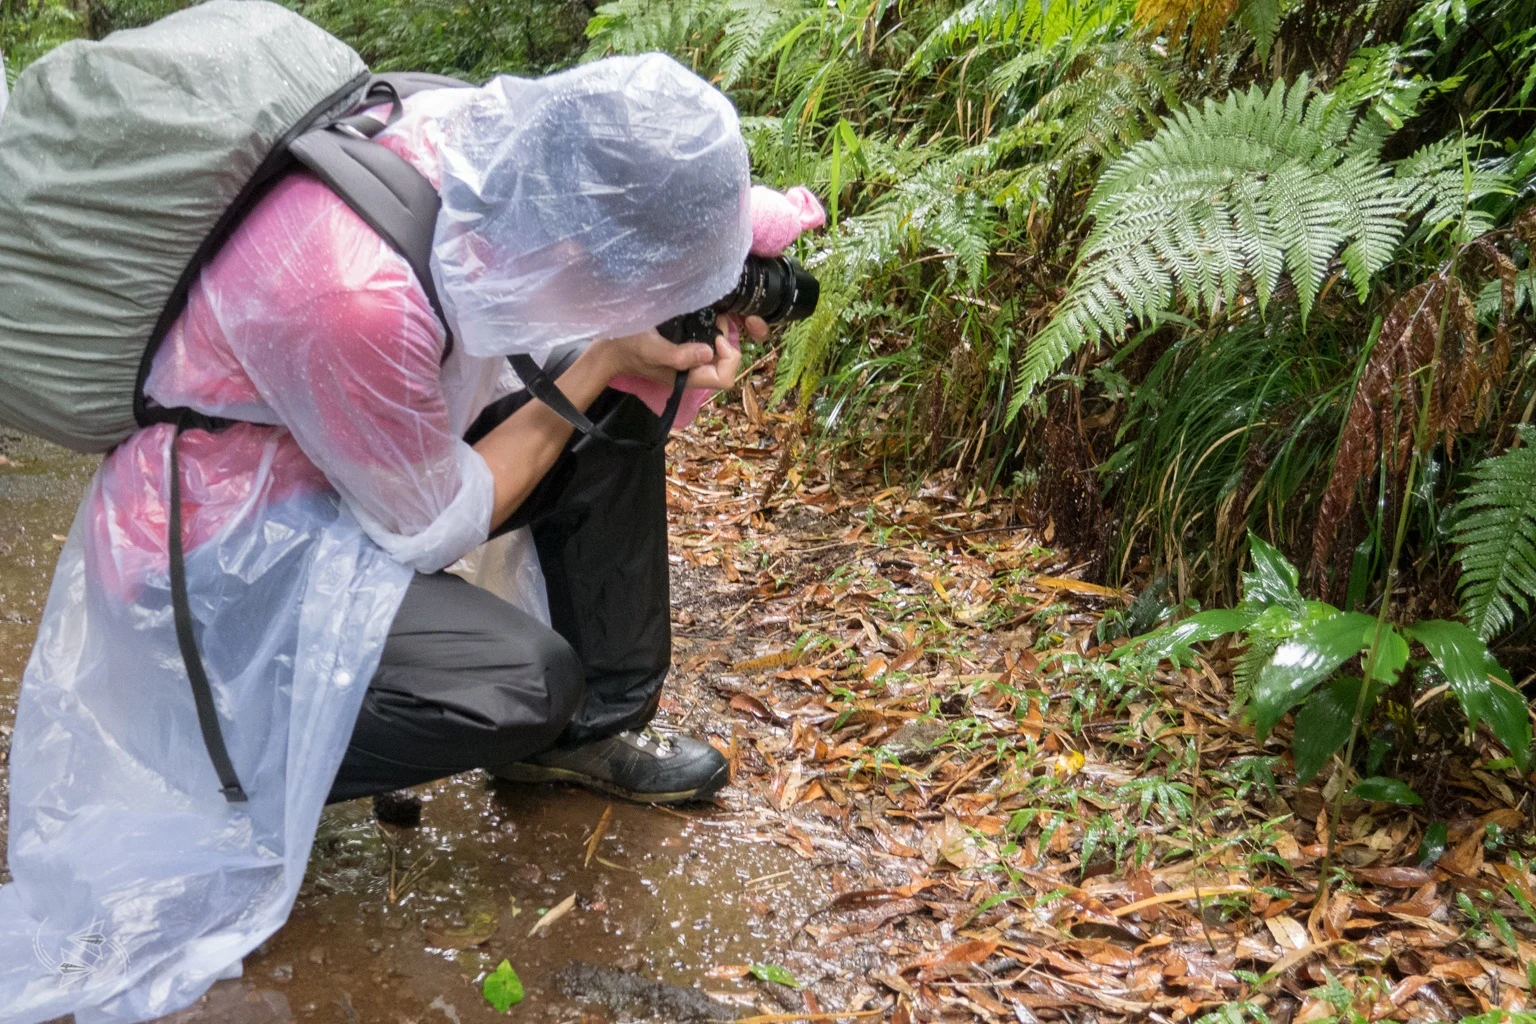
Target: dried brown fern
x: 1203, y: 18
x: 1500, y: 346
x: 1382, y: 416
x: 1433, y: 327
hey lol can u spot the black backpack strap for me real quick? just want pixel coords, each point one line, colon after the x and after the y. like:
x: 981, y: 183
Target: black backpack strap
x: 386, y: 191
x: 181, y: 611
x: 378, y: 184
x: 393, y: 87
x: 400, y: 205
x: 543, y: 388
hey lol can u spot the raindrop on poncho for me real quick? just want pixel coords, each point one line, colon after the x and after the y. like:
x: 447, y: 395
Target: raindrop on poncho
x: 593, y: 202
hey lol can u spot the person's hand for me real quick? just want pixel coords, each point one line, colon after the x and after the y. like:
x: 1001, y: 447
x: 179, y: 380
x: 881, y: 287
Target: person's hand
x: 648, y: 354
x: 721, y: 372
x: 757, y: 327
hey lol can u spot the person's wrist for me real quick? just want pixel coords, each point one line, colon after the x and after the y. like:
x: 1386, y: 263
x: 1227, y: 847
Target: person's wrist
x: 606, y: 358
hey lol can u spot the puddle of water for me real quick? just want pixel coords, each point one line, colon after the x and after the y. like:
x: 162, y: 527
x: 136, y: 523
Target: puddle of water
x: 679, y: 894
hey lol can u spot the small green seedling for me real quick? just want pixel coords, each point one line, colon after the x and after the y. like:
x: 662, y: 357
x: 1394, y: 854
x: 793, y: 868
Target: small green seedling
x: 503, y: 989
x: 774, y: 973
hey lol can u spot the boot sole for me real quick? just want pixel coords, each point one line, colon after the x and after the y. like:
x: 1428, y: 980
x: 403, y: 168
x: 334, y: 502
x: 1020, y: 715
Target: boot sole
x: 523, y: 772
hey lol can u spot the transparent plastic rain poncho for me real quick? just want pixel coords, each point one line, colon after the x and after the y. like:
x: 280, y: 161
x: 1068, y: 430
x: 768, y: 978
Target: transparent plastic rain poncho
x: 590, y: 203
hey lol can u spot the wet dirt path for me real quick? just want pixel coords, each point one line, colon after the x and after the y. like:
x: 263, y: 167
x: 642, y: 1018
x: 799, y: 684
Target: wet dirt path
x: 399, y: 925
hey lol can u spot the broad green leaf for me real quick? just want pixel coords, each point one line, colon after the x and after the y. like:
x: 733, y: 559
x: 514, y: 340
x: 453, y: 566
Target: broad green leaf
x: 774, y: 973
x: 503, y: 989
x: 1277, y: 622
x: 1479, y: 682
x: 1322, y: 725
x: 1505, y: 932
x: 1165, y: 642
x: 1391, y: 656
x: 1305, y: 660
x: 1272, y: 581
x: 1385, y: 790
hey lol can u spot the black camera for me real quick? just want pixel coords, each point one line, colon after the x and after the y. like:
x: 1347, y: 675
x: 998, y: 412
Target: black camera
x: 775, y: 288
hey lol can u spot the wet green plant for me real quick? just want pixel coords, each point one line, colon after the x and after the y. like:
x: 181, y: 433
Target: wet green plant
x: 30, y: 28
x: 1272, y: 183
x: 471, y: 40
x: 1315, y: 643
x: 502, y: 988
x: 1016, y: 186
x: 1496, y: 538
x: 1242, y: 1012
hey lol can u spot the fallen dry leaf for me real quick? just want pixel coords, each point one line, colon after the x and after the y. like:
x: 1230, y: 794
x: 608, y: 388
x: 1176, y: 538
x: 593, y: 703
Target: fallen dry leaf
x: 556, y: 913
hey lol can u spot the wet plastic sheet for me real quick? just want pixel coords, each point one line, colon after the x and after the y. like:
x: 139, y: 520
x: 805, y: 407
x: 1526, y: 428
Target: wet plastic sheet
x: 509, y: 568
x: 117, y: 157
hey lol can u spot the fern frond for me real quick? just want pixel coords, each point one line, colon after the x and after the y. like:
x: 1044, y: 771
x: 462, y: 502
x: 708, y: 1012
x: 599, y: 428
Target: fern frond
x: 980, y: 19
x: 1246, y: 669
x: 1225, y: 197
x: 1203, y: 18
x: 808, y: 344
x: 1111, y: 105
x: 1262, y: 20
x: 1032, y: 25
x: 751, y: 26
x: 1445, y: 184
x: 1497, y: 541
x: 636, y: 26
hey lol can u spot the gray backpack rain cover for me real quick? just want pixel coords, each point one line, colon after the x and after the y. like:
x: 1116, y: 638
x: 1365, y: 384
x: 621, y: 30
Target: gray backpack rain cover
x: 121, y: 164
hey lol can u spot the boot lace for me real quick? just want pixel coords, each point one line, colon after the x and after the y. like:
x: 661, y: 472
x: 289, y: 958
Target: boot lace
x: 648, y: 739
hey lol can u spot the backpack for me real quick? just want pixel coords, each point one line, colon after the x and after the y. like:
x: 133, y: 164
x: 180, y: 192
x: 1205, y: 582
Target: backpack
x: 124, y: 165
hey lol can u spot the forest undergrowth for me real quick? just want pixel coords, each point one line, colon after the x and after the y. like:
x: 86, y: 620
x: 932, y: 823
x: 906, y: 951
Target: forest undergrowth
x: 1029, y: 820
x: 1141, y: 538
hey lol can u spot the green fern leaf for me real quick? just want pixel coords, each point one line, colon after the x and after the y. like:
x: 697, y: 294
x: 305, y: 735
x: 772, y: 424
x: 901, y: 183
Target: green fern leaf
x: 1224, y: 198
x: 1497, y: 541
x: 1262, y: 20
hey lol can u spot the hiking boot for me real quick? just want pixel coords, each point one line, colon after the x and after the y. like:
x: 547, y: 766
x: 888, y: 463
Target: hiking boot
x: 641, y: 766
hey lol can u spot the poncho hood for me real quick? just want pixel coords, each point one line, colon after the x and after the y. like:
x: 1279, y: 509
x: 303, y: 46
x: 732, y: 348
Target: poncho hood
x: 593, y: 203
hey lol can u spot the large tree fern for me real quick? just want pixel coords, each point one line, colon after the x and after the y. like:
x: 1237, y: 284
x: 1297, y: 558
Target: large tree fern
x: 1226, y: 200
x: 1497, y: 540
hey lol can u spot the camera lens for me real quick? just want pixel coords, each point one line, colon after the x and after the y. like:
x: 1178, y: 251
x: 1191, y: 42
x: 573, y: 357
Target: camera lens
x: 776, y: 289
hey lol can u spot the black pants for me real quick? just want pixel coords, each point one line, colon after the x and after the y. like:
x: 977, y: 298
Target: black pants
x: 469, y: 681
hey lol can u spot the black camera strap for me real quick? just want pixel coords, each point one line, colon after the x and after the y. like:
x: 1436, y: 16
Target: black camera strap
x: 542, y: 387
